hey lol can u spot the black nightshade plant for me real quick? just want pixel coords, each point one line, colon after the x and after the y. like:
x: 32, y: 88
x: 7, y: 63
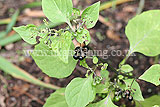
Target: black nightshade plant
x: 142, y: 32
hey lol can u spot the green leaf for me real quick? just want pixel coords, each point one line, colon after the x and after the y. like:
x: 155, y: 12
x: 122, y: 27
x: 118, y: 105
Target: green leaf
x: 149, y: 102
x: 107, y: 102
x: 137, y: 94
x: 57, y: 99
x: 142, y: 30
x: 79, y: 92
x: 29, y: 33
x: 61, y: 46
x: 105, y: 74
x: 2, y: 34
x: 90, y: 15
x: 9, y: 39
x: 13, y: 22
x: 95, y: 60
x: 152, y: 75
x: 19, y: 73
x: 50, y: 64
x: 83, y: 63
x: 83, y: 36
x: 76, y: 13
x: 102, y: 88
x: 58, y: 11
x: 126, y: 68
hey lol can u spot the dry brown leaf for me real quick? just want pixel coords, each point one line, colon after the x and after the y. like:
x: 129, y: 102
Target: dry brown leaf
x: 28, y: 60
x: 2, y: 99
x: 20, y: 90
x: 107, y: 23
x: 129, y: 9
x: 112, y: 35
x: 34, y: 13
x: 46, y: 79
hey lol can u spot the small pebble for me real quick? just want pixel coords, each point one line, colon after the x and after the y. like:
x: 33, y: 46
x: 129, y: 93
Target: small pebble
x: 9, y: 47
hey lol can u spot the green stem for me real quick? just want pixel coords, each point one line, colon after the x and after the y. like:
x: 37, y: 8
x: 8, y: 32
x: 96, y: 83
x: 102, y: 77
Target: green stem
x: 125, y: 59
x: 141, y: 6
x: 69, y: 23
x: 113, y: 69
x: 92, y: 71
x: 156, y: 59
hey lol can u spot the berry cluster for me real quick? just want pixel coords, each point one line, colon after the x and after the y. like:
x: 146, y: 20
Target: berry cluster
x: 80, y: 52
x: 97, y: 80
x: 124, y: 94
x: 127, y: 94
x: 102, y: 95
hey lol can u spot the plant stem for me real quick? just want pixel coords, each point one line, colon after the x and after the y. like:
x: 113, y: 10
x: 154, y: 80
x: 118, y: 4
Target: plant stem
x: 92, y: 71
x: 119, y: 73
x: 132, y: 82
x: 69, y: 23
x: 125, y: 59
x: 141, y: 6
x: 109, y: 4
x: 113, y: 69
x: 156, y: 59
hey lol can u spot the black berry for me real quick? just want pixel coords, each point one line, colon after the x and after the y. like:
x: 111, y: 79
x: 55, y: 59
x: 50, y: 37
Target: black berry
x: 124, y: 95
x: 85, y: 48
x: 82, y: 54
x: 81, y: 58
x: 130, y: 98
x: 77, y: 49
x: 128, y: 92
x: 75, y: 57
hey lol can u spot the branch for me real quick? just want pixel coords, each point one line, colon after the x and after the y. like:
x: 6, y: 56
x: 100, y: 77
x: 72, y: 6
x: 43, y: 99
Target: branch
x: 112, y: 68
x: 109, y: 4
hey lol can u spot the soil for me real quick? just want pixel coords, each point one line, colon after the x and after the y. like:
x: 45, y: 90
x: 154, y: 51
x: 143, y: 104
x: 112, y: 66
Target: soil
x: 103, y: 38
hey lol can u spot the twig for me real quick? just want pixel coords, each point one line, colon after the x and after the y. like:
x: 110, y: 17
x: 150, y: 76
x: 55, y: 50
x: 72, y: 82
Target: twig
x: 107, y: 23
x: 111, y: 3
x: 34, y: 98
x: 102, y: 7
x: 113, y: 69
x: 141, y: 6
x: 119, y: 73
